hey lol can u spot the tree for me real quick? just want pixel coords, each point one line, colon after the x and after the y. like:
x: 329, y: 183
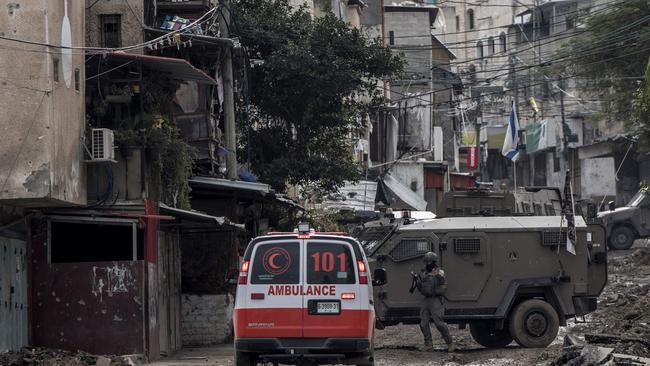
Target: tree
x: 610, y: 55
x: 317, y: 78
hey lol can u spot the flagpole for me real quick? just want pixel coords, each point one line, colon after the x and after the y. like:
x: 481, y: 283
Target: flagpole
x: 514, y: 165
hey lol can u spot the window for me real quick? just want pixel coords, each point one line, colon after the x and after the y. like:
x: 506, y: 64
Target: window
x: 502, y: 42
x: 110, y: 31
x: 457, y: 23
x: 55, y: 70
x: 410, y: 248
x: 491, y: 46
x: 391, y: 38
x: 77, y: 82
x: 470, y: 19
x: 277, y: 263
x: 329, y: 263
x: 73, y: 242
x: 479, y: 49
x: 467, y: 245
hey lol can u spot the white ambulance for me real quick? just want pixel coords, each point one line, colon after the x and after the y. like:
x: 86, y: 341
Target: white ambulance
x: 304, y: 298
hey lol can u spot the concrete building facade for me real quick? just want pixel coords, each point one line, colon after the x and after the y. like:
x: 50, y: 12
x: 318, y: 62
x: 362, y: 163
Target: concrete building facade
x: 41, y: 144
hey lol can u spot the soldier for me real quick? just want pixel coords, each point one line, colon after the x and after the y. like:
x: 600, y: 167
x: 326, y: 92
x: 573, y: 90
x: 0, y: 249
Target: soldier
x: 432, y: 286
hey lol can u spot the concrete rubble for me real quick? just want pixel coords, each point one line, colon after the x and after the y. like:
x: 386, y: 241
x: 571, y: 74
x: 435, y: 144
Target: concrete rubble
x: 51, y: 357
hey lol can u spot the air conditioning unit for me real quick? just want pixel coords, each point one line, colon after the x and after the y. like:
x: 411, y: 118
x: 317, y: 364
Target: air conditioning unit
x: 103, y: 145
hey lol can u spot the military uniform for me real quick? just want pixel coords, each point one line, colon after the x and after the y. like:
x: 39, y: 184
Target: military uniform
x: 432, y: 286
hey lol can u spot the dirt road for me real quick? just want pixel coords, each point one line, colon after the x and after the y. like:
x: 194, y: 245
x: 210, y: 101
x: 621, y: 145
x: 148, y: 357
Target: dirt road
x: 623, y: 310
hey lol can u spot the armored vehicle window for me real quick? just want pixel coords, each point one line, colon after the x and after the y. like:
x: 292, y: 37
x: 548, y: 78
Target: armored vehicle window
x: 553, y: 238
x: 329, y: 263
x: 410, y: 248
x: 371, y: 237
x: 277, y: 263
x: 467, y: 245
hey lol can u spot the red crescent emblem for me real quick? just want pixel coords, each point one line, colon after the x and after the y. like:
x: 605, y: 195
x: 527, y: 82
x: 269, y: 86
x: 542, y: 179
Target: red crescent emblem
x: 271, y: 261
x: 276, y: 261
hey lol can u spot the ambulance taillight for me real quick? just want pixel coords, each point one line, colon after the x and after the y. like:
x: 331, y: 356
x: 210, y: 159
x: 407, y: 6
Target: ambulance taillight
x: 243, y: 273
x: 363, y: 275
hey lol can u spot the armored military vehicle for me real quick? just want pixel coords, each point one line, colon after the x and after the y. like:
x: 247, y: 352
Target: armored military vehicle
x: 536, y: 201
x: 627, y: 223
x: 509, y: 277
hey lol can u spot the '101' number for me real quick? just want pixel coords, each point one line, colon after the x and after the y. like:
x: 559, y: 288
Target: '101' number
x: 325, y: 262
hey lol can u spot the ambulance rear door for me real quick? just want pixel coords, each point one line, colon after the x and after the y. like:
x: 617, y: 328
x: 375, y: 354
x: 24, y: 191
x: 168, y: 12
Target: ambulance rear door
x: 273, y: 293
x: 333, y: 298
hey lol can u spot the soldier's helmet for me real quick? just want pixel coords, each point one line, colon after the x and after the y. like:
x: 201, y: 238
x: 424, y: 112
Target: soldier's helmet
x: 430, y: 257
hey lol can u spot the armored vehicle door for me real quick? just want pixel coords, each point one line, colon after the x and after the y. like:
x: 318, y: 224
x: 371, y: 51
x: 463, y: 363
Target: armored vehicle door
x: 465, y: 258
x: 401, y: 256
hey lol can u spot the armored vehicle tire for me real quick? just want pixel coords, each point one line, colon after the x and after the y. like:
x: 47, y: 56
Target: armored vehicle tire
x: 245, y: 359
x: 622, y: 237
x: 488, y: 336
x: 534, y: 324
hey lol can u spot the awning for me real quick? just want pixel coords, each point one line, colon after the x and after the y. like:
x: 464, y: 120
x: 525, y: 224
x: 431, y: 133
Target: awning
x: 196, y: 216
x: 225, y: 188
x: 398, y: 196
x: 230, y: 185
x: 173, y: 68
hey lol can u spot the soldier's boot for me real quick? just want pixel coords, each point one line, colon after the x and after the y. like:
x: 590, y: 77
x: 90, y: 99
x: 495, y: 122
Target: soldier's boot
x: 428, y: 346
x: 451, y: 346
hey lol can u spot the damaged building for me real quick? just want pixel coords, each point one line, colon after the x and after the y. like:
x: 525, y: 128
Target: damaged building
x: 114, y: 211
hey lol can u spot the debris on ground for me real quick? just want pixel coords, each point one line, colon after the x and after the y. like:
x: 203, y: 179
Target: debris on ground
x: 618, y: 332
x: 54, y: 357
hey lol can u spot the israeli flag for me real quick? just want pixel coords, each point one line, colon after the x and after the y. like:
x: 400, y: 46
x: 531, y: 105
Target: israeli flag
x: 511, y: 141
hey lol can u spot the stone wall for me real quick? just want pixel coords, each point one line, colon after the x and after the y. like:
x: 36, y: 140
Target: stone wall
x: 206, y: 319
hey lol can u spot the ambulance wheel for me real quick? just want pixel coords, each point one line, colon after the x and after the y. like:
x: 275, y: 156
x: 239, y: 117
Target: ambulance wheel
x: 245, y: 359
x: 534, y: 324
x: 621, y: 238
x: 488, y: 336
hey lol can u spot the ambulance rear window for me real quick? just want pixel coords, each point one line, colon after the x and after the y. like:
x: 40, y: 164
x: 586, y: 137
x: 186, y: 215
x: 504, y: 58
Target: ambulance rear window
x: 276, y: 263
x: 329, y: 263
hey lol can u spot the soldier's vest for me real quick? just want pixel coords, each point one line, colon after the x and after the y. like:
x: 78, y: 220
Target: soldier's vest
x: 428, y: 285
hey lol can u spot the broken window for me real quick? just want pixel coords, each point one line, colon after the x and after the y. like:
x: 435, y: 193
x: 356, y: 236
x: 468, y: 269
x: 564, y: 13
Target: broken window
x: 491, y: 48
x: 77, y: 80
x: 78, y: 241
x: 111, y: 29
x: 470, y: 18
x: 55, y: 70
x: 502, y: 41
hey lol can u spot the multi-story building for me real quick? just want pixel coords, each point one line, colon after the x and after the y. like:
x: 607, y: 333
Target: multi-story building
x: 500, y: 47
x: 99, y: 128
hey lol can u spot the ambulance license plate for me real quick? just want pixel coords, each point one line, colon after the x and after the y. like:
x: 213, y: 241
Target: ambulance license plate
x: 328, y: 307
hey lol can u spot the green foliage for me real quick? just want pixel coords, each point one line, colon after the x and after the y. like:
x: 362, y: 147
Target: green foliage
x: 643, y: 118
x: 609, y: 54
x: 319, y: 75
x: 173, y: 157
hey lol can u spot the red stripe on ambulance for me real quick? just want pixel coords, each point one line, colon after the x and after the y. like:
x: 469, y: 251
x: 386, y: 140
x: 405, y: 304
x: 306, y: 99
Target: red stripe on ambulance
x: 288, y: 323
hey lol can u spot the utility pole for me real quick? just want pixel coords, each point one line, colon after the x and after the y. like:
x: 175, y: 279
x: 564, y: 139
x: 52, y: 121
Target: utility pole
x: 228, y: 95
x: 565, y: 138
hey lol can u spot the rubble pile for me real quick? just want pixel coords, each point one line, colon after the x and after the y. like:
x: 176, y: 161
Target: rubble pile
x: 54, y: 357
x: 618, y: 333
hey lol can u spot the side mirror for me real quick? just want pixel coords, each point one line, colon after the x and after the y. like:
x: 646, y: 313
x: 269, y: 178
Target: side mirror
x: 612, y: 205
x: 231, y: 277
x: 379, y: 277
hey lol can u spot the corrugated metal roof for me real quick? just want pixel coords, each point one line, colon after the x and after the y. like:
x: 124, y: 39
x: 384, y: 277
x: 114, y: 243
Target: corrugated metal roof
x: 173, y: 68
x: 197, y: 216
